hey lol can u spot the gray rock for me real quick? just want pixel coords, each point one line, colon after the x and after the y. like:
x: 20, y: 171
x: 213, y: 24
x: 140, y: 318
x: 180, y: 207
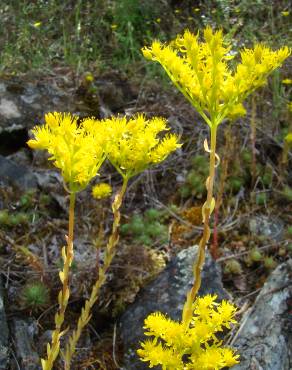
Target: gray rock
x: 264, y: 340
x: 23, y: 103
x: 4, y: 334
x: 21, y: 157
x: 24, y: 345
x: 270, y: 227
x: 167, y: 293
x: 8, y: 109
x: 16, y: 175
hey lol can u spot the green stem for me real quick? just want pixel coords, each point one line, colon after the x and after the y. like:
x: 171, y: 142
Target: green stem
x: 63, y: 297
x: 109, y: 255
x: 207, y: 210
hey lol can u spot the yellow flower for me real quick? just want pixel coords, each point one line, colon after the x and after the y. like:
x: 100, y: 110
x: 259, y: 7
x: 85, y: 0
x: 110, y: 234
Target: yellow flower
x: 133, y: 143
x: 201, y: 70
x: 37, y: 24
x: 101, y: 190
x: 196, y: 347
x: 156, y: 354
x: 77, y: 150
x: 285, y: 13
x: 114, y: 26
x: 288, y: 138
x: 287, y: 81
x: 89, y: 77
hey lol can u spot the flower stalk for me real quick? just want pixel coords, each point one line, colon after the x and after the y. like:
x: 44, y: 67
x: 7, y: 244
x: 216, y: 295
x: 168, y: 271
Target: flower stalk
x: 53, y: 349
x: 207, y: 210
x: 109, y: 255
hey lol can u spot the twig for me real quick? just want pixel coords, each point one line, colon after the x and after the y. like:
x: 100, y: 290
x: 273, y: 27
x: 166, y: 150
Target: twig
x: 114, y: 346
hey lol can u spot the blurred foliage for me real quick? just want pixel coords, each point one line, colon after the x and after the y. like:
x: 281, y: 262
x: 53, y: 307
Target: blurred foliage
x: 94, y: 34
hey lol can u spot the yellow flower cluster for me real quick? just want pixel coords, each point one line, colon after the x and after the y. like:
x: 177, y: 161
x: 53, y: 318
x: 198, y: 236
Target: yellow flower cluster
x: 101, y: 191
x: 287, y: 81
x: 201, y: 70
x: 77, y: 150
x: 196, y: 347
x: 133, y: 144
x: 288, y: 138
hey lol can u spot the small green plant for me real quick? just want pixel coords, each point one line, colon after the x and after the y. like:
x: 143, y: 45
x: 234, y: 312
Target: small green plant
x: 261, y: 199
x: 10, y: 219
x: 267, y: 176
x: 233, y: 267
x: 269, y: 263
x: 255, y: 255
x: 27, y: 200
x: 44, y: 200
x: 146, y: 229
x: 235, y: 183
x: 35, y: 296
x: 287, y: 192
x: 194, y: 183
x: 289, y: 231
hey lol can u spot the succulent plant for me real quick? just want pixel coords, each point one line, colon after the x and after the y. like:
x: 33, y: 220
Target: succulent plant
x: 35, y: 295
x: 269, y: 263
x: 255, y: 255
x: 261, y: 199
x: 233, y: 267
x: 152, y: 214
